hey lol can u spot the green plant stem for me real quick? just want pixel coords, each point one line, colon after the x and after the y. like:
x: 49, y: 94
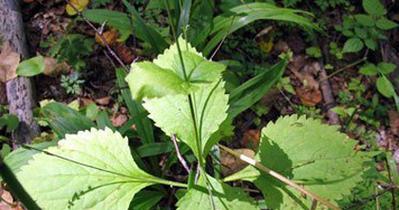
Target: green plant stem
x: 391, y: 181
x: 278, y: 176
x: 16, y: 187
x: 396, y: 99
x: 170, y: 183
x: 190, y: 96
x: 347, y: 123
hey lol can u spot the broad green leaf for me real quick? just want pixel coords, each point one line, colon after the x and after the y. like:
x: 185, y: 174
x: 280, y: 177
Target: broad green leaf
x: 89, y: 170
x: 91, y: 111
x: 20, y: 157
x: 371, y: 44
x: 386, y: 68
x: 145, y: 200
x: 172, y: 114
x: 9, y: 121
x: 361, y: 32
x: 369, y: 69
x: 244, y: 96
x: 385, y: 87
x: 385, y: 24
x: 352, y: 45
x: 118, y: 20
x: 65, y: 120
x: 223, y: 197
x: 31, y: 67
x: 365, y: 20
x: 190, y: 105
x: 374, y: 7
x: 153, y: 149
x: 164, y: 76
x: 155, y: 81
x: 314, y: 155
x: 245, y: 14
x: 5, y: 150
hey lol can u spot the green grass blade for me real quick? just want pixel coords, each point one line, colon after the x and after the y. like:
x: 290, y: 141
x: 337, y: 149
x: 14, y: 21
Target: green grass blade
x: 143, y: 124
x: 243, y: 15
x: 254, y: 89
x: 144, y: 31
x: 184, y: 17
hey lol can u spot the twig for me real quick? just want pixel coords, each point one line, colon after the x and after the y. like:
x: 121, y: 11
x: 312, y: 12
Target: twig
x: 329, y: 101
x: 286, y: 97
x: 345, y: 67
x: 179, y: 156
x: 224, y: 39
x: 279, y: 177
x: 99, y: 33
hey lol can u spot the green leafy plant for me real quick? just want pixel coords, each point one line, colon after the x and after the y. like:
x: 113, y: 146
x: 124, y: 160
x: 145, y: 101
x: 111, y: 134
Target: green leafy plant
x: 365, y: 29
x: 72, y: 83
x: 336, y: 51
x: 72, y: 48
x: 314, y: 52
x: 9, y: 121
x: 301, y: 155
x: 31, y: 67
x: 381, y: 70
x: 185, y: 97
x: 198, y: 22
x: 285, y: 84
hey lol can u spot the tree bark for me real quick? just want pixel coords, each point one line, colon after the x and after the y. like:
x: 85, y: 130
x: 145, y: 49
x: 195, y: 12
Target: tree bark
x: 19, y: 90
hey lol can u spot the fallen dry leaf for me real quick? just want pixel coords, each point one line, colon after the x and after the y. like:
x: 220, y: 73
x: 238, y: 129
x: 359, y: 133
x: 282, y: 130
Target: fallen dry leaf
x: 125, y: 53
x: 309, y: 96
x: 251, y: 138
x: 118, y: 120
x: 85, y: 102
x: 7, y: 202
x: 110, y: 37
x: 309, y: 92
x: 53, y: 68
x: 9, y: 60
x: 231, y: 164
x: 104, y: 101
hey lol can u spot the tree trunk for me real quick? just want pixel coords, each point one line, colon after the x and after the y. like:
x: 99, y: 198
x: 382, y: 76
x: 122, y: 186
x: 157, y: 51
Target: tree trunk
x: 19, y: 90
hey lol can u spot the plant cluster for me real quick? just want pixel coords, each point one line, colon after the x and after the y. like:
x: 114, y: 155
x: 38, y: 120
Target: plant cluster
x: 365, y: 29
x: 183, y: 104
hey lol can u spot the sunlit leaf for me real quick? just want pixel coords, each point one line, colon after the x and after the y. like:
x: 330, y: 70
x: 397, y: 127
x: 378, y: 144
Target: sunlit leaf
x: 89, y: 170
x: 316, y: 156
